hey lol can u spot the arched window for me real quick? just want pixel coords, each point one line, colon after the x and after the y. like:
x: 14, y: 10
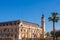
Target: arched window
x: 21, y: 30
x: 5, y: 30
x: 11, y: 30
x: 21, y: 25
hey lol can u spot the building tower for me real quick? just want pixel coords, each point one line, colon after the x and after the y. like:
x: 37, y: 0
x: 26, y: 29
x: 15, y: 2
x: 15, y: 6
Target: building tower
x: 43, y: 26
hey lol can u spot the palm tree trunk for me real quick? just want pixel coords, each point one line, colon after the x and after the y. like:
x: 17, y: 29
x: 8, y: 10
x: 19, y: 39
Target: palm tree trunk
x: 54, y: 31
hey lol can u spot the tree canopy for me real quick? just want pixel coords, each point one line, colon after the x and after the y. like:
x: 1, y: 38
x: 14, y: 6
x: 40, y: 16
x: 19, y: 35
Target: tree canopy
x: 57, y: 33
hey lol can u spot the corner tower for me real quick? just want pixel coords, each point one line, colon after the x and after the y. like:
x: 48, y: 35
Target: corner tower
x: 43, y: 25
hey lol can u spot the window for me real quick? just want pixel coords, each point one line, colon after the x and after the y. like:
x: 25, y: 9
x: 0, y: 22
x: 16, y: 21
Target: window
x: 21, y: 29
x: 17, y: 22
x: 14, y: 23
x: 29, y: 28
x: 21, y: 25
x: 10, y: 24
x: 3, y: 24
x: 15, y: 36
x: 7, y: 35
x: 11, y: 35
x: 0, y: 31
x: 15, y: 30
x: 5, y: 29
x: 8, y: 30
x: 7, y: 24
x: 24, y: 30
x: 11, y: 30
x: 0, y: 24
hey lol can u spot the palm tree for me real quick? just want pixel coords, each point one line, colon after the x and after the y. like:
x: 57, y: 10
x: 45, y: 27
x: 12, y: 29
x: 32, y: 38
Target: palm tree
x: 54, y: 19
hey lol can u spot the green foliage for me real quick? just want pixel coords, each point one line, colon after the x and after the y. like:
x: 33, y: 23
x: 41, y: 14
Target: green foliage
x: 57, y: 33
x: 54, y: 17
x: 48, y: 34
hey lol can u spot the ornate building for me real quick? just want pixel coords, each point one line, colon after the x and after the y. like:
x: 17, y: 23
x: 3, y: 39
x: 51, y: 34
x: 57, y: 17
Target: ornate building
x: 22, y: 29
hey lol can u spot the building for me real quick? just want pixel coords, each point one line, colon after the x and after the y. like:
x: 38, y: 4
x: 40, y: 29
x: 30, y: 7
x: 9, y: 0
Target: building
x: 21, y: 29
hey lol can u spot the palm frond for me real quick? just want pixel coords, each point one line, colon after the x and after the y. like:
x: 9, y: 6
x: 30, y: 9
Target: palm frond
x: 54, y: 17
x: 57, y: 18
x: 50, y: 18
x: 54, y: 14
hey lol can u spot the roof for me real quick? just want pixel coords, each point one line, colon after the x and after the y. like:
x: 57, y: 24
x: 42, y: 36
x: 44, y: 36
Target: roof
x: 9, y: 22
x: 18, y: 21
x: 33, y: 24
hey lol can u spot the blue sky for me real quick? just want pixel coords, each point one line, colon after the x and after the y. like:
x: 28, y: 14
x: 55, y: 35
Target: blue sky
x: 29, y: 10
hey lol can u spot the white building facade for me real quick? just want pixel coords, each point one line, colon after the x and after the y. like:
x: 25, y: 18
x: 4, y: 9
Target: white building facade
x: 21, y: 29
